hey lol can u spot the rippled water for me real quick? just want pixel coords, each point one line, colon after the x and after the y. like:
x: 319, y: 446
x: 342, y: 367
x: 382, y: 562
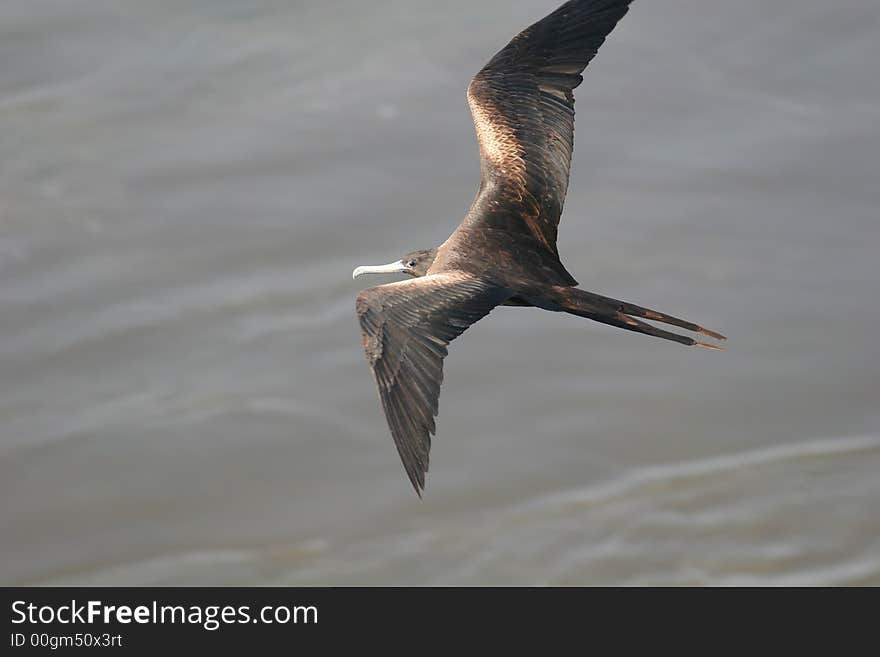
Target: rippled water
x: 186, y: 186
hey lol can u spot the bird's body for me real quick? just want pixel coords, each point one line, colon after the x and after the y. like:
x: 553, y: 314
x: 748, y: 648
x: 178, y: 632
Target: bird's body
x: 504, y: 251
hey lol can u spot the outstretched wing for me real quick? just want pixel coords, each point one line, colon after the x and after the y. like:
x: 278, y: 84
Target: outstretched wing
x: 406, y: 327
x: 523, y: 110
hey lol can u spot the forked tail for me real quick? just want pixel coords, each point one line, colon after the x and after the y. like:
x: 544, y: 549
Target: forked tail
x: 623, y: 315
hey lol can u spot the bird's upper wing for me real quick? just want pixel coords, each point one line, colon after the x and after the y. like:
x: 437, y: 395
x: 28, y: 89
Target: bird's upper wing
x: 523, y: 110
x: 406, y: 327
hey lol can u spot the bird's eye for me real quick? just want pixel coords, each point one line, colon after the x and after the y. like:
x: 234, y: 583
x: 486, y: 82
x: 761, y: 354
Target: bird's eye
x: 411, y: 263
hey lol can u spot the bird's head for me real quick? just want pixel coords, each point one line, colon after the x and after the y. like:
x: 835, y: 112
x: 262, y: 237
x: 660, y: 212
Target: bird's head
x: 415, y: 263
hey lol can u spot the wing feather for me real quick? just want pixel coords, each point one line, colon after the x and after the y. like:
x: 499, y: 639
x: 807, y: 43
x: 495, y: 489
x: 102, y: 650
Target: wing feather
x: 406, y: 328
x: 523, y: 110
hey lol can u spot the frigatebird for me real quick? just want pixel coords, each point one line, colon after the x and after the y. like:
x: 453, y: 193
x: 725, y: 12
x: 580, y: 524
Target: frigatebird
x: 504, y: 251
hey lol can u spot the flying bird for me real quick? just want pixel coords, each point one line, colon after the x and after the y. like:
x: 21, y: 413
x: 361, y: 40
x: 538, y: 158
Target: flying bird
x: 504, y: 251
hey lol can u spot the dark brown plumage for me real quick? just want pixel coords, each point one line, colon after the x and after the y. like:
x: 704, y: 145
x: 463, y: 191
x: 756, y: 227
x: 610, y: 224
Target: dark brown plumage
x: 504, y: 251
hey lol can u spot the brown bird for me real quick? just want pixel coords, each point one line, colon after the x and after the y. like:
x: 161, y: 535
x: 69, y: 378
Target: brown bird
x: 504, y: 251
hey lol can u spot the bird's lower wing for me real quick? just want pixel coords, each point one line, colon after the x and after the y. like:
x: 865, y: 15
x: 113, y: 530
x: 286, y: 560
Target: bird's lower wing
x: 406, y: 328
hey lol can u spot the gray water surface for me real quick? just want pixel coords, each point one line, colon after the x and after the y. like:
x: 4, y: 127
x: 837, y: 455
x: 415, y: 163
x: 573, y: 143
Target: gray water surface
x: 185, y: 188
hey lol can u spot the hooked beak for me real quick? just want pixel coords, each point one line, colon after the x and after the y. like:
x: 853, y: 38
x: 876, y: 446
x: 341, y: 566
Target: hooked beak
x: 391, y: 268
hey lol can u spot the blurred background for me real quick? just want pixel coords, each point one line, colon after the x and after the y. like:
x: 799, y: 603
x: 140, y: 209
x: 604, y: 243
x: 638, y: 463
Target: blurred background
x: 185, y: 188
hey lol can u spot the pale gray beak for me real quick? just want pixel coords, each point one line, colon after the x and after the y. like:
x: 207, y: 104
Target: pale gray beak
x: 391, y: 268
